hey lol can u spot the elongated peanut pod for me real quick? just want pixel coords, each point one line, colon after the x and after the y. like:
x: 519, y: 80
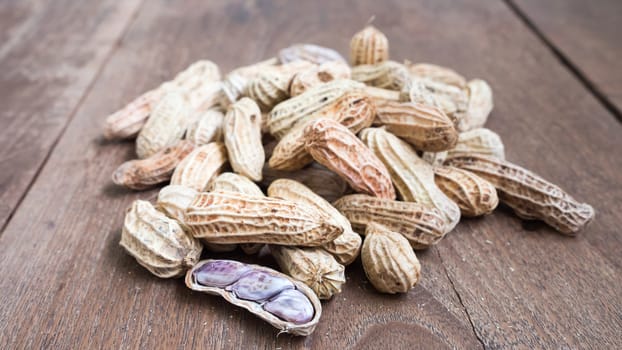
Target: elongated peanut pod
x: 474, y: 195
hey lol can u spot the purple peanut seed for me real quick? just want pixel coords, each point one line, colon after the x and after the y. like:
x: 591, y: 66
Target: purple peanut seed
x: 220, y: 273
x: 292, y: 306
x: 259, y: 286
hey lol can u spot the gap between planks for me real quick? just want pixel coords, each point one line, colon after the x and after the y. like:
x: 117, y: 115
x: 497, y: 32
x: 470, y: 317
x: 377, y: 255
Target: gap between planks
x: 565, y: 61
x: 72, y: 114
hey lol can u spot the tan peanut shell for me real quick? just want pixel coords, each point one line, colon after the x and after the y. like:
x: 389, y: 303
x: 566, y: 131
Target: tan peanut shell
x: 320, y: 180
x: 235, y: 183
x: 369, y: 46
x: 481, y: 141
x: 314, y: 76
x: 140, y: 174
x: 206, y: 128
x: 256, y: 308
x: 346, y: 247
x: 200, y: 166
x: 436, y: 73
x: 379, y: 95
x: 287, y: 113
x: 353, y: 110
x: 310, y: 53
x: 528, y: 194
x: 242, y: 131
x: 479, y: 106
x: 173, y: 200
x: 388, y: 75
x: 205, y: 96
x: 157, y: 242
x: 334, y: 146
x: 127, y: 122
x: 227, y: 217
x: 389, y: 261
x: 474, y: 195
x: 427, y: 128
x: 450, y: 99
x: 195, y: 75
x: 166, y: 125
x: 421, y: 224
x: 412, y: 176
x: 313, y: 267
x: 268, y: 89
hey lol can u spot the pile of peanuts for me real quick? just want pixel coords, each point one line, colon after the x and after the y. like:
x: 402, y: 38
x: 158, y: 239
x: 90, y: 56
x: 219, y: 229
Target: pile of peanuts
x: 395, y: 152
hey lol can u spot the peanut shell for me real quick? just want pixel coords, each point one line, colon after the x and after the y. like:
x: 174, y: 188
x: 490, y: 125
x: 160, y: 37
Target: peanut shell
x: 369, y: 46
x: 436, y: 73
x: 479, y: 106
x: 242, y: 131
x: 324, y: 73
x: 199, y: 167
x: 388, y: 75
x: 474, y: 195
x: 206, y: 128
x: 309, y: 52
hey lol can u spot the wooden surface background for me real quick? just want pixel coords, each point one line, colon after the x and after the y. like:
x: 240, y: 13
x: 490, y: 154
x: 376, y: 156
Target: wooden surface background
x: 555, y: 68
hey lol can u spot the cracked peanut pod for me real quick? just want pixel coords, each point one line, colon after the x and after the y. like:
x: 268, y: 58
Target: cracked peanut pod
x: 388, y: 75
x: 285, y: 303
x: 287, y: 113
x: 389, y: 261
x: 310, y: 53
x: 531, y: 197
x: 474, y: 195
x: 140, y: 174
x: 413, y: 177
x: 422, y: 225
x: 369, y: 46
x: 227, y: 217
x: 313, y: 267
x: 427, y: 128
x: 323, y: 73
x: 242, y: 131
x: 207, y: 128
x: 200, y: 166
x: 337, y: 148
x: 320, y: 180
x: 173, y: 200
x: 157, y: 242
x: 354, y: 110
x: 165, y: 126
x: 479, y: 106
x: 346, y: 247
x: 233, y: 182
x: 268, y: 89
x: 436, y: 73
x: 127, y: 122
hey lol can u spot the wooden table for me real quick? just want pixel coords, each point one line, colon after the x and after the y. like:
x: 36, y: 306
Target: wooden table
x: 494, y: 282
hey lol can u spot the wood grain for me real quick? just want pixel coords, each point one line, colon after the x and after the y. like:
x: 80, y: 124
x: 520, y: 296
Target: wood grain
x: 67, y: 283
x: 50, y: 52
x: 587, y: 34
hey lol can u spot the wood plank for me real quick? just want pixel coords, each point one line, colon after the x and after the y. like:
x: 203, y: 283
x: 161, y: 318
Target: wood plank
x: 95, y: 295
x: 586, y: 33
x: 67, y: 279
x: 50, y: 52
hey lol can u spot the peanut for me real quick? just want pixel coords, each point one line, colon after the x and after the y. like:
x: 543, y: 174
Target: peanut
x: 388, y: 75
x: 369, y: 46
x: 422, y: 225
x: 268, y: 89
x: 227, y: 217
x: 436, y: 73
x: 128, y: 121
x: 312, y: 266
x: 140, y: 174
x: 324, y: 73
x: 157, y: 242
x: 474, y: 195
x: 242, y: 130
x: 528, y: 194
x: 206, y: 128
x: 425, y: 127
x: 173, y: 200
x: 479, y: 107
x: 389, y: 261
x: 309, y: 52
x: 165, y: 126
x: 479, y: 141
x: 334, y: 146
